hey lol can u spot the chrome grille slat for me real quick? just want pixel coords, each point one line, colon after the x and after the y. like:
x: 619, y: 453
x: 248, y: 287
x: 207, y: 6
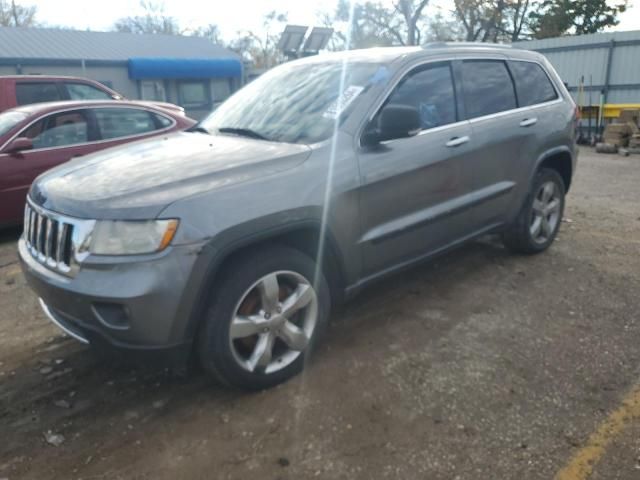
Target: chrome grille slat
x: 62, y: 231
x: 31, y: 220
x: 47, y: 237
x: 27, y: 221
x: 34, y: 238
x: 41, y: 234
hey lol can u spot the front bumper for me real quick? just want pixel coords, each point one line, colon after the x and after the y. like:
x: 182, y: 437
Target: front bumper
x: 131, y: 304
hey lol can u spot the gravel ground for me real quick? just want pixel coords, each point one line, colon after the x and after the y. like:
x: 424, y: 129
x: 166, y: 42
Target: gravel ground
x: 482, y: 365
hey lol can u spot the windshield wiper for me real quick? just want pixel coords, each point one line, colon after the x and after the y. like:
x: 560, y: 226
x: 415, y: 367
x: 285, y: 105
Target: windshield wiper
x: 245, y: 132
x: 199, y: 129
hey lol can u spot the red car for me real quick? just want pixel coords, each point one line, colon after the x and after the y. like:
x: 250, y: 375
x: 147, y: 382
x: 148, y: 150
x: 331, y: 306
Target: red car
x: 37, y: 137
x: 18, y: 90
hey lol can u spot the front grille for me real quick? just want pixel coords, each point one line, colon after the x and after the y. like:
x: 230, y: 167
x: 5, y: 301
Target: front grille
x: 49, y: 238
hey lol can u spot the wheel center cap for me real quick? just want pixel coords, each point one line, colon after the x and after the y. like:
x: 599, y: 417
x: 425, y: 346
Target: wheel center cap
x: 277, y: 321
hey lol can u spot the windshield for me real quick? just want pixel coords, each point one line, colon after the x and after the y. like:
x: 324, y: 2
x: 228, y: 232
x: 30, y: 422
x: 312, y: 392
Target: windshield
x: 8, y: 120
x: 295, y: 103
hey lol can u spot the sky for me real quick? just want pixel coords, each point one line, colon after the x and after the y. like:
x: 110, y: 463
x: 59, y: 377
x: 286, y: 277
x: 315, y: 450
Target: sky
x: 230, y: 16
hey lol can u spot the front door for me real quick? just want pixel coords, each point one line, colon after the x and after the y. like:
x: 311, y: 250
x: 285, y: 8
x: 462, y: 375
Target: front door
x: 415, y: 191
x: 56, y: 139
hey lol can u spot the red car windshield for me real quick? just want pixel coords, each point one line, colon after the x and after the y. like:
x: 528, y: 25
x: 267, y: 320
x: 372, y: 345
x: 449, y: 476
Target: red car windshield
x: 8, y: 120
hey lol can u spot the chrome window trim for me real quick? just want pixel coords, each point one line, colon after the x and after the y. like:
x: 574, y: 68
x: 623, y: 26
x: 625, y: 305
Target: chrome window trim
x: 95, y: 142
x: 504, y: 113
x: 428, y: 130
x: 494, y: 57
x: 509, y: 59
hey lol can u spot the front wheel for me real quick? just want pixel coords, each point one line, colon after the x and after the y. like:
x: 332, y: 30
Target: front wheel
x: 539, y: 220
x: 265, y: 318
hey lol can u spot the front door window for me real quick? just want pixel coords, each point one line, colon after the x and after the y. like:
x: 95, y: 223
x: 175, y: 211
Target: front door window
x: 58, y: 130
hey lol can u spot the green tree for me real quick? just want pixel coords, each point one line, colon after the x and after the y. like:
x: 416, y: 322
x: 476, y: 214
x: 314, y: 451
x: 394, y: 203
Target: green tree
x: 495, y: 20
x: 578, y: 17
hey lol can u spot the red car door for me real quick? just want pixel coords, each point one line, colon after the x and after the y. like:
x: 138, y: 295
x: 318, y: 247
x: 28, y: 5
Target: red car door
x: 56, y: 138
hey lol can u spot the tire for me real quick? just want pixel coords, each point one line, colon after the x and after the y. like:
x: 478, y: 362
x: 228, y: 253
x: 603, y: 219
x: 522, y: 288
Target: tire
x: 537, y: 224
x: 250, y: 314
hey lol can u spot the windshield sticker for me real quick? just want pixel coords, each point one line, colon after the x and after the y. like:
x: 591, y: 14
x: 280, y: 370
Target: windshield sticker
x: 341, y: 103
x: 381, y: 76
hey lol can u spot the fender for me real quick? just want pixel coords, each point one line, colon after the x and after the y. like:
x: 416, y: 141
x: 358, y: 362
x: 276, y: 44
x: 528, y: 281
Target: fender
x: 212, y: 253
x: 550, y: 153
x: 541, y: 158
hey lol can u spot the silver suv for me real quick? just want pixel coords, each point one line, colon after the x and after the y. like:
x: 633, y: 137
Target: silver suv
x: 232, y: 241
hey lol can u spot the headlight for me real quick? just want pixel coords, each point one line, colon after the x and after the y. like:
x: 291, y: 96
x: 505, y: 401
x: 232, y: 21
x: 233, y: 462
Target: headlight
x: 132, y: 237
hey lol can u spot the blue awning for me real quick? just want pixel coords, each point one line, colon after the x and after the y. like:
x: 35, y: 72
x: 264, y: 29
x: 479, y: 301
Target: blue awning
x: 183, y: 68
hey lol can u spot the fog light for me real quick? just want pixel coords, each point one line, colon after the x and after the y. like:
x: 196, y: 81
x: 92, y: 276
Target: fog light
x: 111, y: 315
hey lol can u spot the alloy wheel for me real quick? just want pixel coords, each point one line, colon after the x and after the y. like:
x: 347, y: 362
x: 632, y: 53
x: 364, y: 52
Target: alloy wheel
x: 273, y: 322
x: 545, y: 214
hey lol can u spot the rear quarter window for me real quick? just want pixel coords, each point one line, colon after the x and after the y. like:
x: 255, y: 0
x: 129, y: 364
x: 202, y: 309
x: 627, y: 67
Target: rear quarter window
x: 36, y: 92
x: 532, y: 83
x: 123, y: 122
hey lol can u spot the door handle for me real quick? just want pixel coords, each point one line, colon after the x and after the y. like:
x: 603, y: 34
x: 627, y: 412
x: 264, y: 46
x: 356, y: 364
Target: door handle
x: 457, y: 141
x: 527, y: 122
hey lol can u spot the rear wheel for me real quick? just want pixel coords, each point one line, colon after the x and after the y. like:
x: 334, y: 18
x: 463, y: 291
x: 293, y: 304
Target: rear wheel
x: 265, y: 318
x: 539, y: 221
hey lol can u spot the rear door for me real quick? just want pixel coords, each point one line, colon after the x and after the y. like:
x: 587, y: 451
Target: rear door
x: 503, y: 134
x: 414, y: 191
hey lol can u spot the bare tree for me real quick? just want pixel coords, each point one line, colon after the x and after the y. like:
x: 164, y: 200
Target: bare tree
x: 411, y: 11
x: 261, y: 47
x: 154, y: 20
x: 14, y: 15
x: 374, y: 23
x: 495, y: 20
x: 211, y: 32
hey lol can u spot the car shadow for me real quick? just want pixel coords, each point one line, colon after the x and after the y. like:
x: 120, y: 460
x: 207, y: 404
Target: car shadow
x: 10, y: 234
x: 98, y: 392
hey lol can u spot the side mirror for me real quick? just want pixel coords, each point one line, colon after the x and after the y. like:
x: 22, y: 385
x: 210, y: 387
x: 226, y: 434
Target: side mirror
x: 18, y: 145
x: 394, y: 121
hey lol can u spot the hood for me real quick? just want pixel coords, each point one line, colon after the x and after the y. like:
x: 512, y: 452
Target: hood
x: 138, y: 180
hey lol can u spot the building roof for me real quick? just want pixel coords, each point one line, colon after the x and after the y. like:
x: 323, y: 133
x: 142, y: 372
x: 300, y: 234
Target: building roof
x: 55, y: 44
x: 580, y: 40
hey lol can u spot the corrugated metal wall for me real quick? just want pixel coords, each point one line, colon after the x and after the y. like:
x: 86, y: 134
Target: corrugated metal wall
x: 593, y: 56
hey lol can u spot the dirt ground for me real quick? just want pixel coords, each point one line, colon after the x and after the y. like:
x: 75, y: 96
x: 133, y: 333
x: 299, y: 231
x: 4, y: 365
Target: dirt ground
x: 482, y: 365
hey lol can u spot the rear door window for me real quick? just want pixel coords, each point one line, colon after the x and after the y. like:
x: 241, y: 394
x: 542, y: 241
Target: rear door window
x: 36, y: 92
x: 82, y: 91
x: 532, y: 83
x: 487, y: 87
x: 124, y: 122
x: 430, y: 90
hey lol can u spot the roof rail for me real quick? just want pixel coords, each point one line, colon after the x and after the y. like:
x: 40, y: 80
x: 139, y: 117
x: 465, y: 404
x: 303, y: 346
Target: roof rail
x: 464, y: 45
